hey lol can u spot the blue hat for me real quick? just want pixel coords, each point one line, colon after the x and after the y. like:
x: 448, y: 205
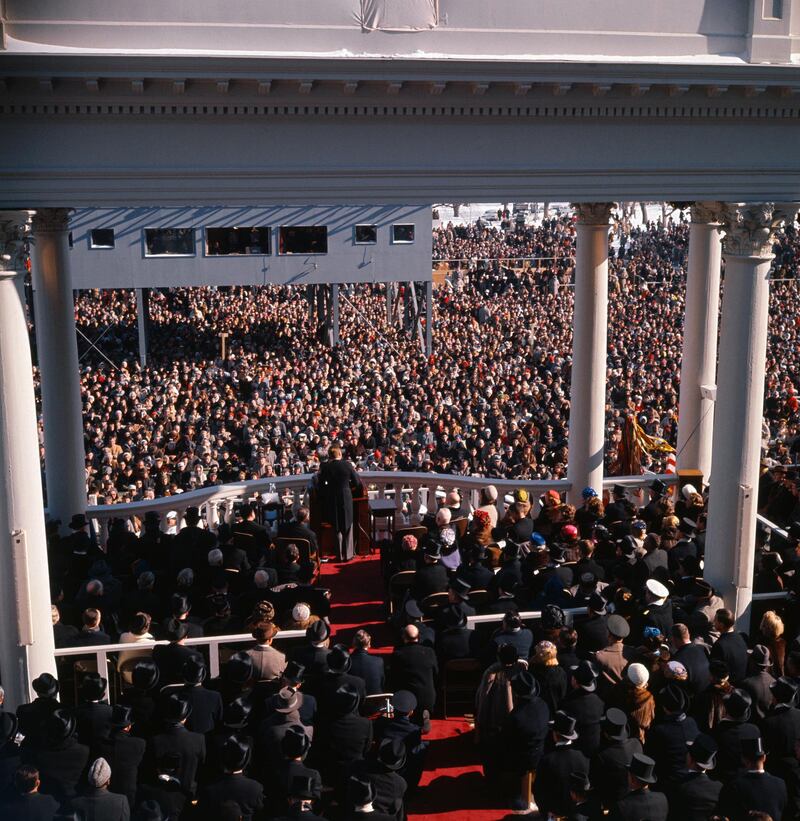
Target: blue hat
x: 537, y: 539
x: 588, y: 493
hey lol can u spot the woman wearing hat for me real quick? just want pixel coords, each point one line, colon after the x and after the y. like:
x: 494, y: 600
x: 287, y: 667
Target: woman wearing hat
x: 633, y: 697
x: 549, y: 674
x: 488, y: 503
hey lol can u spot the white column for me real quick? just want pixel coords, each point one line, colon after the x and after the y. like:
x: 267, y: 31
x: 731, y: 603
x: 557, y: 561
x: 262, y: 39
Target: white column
x: 428, y: 317
x: 26, y: 637
x: 587, y: 416
x: 730, y: 543
x: 699, y: 360
x: 57, y: 348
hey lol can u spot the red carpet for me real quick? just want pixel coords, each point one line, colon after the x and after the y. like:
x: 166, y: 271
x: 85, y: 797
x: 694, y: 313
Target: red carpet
x: 452, y: 786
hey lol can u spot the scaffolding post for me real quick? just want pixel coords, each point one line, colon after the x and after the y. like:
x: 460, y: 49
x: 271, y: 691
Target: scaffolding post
x: 334, y: 311
x: 428, y: 317
x: 143, y: 322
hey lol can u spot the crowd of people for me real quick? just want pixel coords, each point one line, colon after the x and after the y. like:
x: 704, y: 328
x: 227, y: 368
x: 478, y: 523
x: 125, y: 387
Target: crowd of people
x: 492, y: 400
x: 652, y: 706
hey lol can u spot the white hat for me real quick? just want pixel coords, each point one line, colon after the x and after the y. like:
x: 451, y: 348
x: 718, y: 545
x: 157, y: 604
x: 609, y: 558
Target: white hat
x: 301, y: 612
x: 443, y: 516
x: 688, y: 490
x: 638, y: 674
x: 99, y: 773
x: 491, y: 493
x: 655, y: 587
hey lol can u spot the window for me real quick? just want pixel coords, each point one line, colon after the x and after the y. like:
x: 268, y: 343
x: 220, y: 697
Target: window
x: 303, y: 239
x: 366, y: 234
x: 101, y: 238
x: 402, y: 234
x: 169, y: 242
x: 772, y: 10
x: 236, y: 241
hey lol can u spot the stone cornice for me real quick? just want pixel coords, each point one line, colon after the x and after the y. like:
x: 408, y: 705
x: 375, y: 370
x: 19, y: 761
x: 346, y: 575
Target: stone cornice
x: 51, y: 220
x: 594, y: 213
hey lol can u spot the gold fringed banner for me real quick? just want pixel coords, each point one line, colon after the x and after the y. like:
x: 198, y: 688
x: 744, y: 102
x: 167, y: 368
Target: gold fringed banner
x: 635, y: 443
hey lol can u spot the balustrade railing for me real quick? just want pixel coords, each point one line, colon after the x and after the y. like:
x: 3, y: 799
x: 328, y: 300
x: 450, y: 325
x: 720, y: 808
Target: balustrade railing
x: 417, y: 493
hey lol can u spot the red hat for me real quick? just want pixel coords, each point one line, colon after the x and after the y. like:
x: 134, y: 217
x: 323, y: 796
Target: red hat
x: 569, y: 532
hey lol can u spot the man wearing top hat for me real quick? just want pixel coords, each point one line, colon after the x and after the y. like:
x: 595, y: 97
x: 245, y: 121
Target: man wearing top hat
x: 192, y: 543
x: 362, y: 794
x: 206, y: 704
x: 619, y: 509
x: 585, y: 706
x: 454, y: 640
x: 234, y: 784
x: 732, y: 731
x: 381, y: 767
x: 752, y: 789
x: 593, y: 632
x: 163, y: 787
x: 780, y: 730
x: 585, y: 805
x: 123, y: 752
x: 397, y: 723
x: 60, y: 758
x: 337, y: 674
x: 33, y: 717
x: 551, y: 788
x: 431, y: 576
x: 609, y: 766
x: 759, y: 682
x: 175, y: 738
x: 294, y: 748
x: 650, y: 513
x: 170, y: 658
x: 670, y: 733
x: 93, y: 712
x: 300, y: 798
x: 694, y: 796
x: 641, y: 802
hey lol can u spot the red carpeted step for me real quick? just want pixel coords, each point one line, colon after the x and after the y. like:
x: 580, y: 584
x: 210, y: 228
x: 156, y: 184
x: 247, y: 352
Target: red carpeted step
x: 452, y: 787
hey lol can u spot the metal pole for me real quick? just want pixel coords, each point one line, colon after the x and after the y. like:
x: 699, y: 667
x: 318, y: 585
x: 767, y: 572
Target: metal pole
x: 142, y: 321
x: 428, y: 318
x: 334, y: 307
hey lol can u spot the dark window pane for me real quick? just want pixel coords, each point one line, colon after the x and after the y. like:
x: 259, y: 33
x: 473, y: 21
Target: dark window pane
x: 366, y: 234
x: 236, y: 240
x: 102, y: 238
x: 303, y: 239
x: 402, y: 233
x: 169, y: 242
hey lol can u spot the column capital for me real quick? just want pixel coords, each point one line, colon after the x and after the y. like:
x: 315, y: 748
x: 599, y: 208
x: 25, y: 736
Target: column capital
x: 15, y: 237
x: 51, y: 219
x: 750, y: 226
x: 707, y: 213
x: 594, y: 213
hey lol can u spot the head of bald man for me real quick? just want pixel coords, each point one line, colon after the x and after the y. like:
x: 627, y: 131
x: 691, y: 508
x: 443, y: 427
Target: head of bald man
x: 410, y: 633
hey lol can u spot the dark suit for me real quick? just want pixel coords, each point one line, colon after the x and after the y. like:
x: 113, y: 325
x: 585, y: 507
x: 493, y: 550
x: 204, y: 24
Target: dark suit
x: 414, y: 667
x: 92, y: 721
x: 169, y: 795
x: 752, y: 791
x: 124, y: 754
x: 91, y: 638
x: 336, y: 482
x: 253, y: 538
x: 732, y: 649
x: 191, y: 747
x: 9, y: 761
x: 780, y: 730
x: 552, y: 786
x: 430, y: 578
x: 370, y: 668
x: 64, y: 635
x: 588, y: 710
x: 246, y: 792
x: 694, y: 797
x: 61, y: 767
x: 758, y: 687
x: 339, y: 743
x: 456, y: 643
x: 592, y: 635
x: 389, y: 786
x: 206, y: 708
x: 330, y: 683
x: 523, y: 735
x: 33, y: 717
x: 476, y: 576
x: 609, y: 770
x: 694, y: 657
x: 31, y: 807
x: 98, y: 804
x: 295, y: 530
x: 641, y: 804
x: 190, y: 548
x: 315, y: 660
x: 170, y: 658
x: 729, y: 736
x: 666, y: 744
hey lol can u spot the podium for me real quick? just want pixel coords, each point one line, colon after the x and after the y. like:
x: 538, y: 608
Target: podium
x: 361, y: 539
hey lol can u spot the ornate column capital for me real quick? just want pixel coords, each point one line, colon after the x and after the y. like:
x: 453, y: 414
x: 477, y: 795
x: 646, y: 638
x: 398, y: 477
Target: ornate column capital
x: 594, y: 213
x: 15, y: 237
x: 51, y: 219
x: 750, y: 226
x: 707, y: 213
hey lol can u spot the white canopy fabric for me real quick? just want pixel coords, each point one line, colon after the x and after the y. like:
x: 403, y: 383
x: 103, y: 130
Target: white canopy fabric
x: 399, y: 15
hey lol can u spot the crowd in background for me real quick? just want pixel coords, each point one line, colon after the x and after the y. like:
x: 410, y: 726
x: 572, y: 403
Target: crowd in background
x: 492, y: 399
